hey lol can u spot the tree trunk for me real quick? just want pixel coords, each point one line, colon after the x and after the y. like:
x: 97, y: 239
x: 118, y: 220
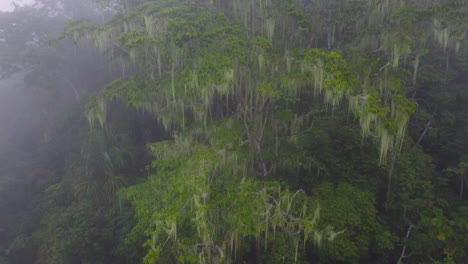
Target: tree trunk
x: 258, y: 254
x: 462, y: 178
x: 424, y: 132
x: 390, y: 174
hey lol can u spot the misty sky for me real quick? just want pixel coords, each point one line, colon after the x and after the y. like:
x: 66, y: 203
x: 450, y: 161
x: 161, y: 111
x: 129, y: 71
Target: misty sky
x: 5, y: 5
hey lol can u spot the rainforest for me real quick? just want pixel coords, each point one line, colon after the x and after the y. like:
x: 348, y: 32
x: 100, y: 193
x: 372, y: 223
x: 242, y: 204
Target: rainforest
x: 234, y: 131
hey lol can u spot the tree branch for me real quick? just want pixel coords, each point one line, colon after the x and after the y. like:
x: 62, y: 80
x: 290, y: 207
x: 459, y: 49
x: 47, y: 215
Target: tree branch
x: 424, y: 132
x: 402, y: 255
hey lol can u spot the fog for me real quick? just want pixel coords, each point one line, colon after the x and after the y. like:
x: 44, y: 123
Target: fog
x: 9, y: 5
x: 39, y: 80
x: 43, y: 81
x: 14, y: 110
x: 233, y: 131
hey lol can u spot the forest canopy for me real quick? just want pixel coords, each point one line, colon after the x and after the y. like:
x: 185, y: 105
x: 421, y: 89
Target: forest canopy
x: 215, y: 131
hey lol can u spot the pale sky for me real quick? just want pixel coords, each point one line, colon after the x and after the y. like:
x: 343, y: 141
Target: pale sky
x: 5, y: 5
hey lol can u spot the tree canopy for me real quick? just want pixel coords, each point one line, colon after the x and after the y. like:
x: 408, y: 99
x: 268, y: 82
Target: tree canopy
x: 264, y: 131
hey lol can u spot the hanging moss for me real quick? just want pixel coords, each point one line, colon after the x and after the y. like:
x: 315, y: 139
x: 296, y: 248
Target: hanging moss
x: 228, y: 87
x: 96, y: 110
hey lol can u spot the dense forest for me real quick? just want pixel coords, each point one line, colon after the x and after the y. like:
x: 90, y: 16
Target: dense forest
x: 234, y: 131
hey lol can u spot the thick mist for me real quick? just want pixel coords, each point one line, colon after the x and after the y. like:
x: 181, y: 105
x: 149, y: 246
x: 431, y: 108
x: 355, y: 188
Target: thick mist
x: 43, y: 81
x: 233, y: 131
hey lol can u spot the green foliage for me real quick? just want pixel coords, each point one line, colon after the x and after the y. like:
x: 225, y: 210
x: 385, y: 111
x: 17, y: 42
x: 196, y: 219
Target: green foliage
x: 74, y: 233
x: 247, y: 108
x: 218, y: 214
x: 210, y: 69
x: 352, y: 209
